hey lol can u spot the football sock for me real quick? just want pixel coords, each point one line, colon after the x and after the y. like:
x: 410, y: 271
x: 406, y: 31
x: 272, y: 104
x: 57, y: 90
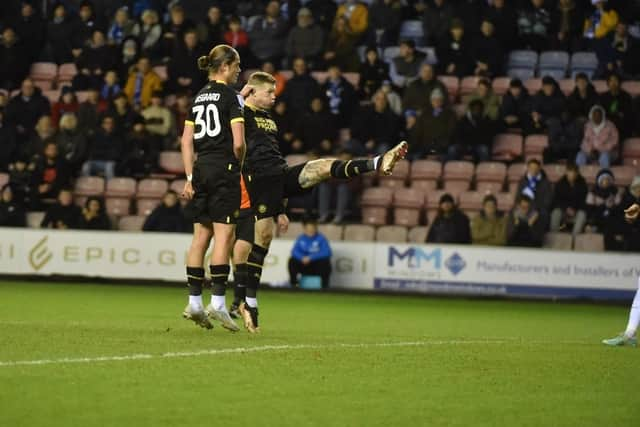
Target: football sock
x: 195, y: 278
x: 240, y: 279
x: 348, y: 169
x: 219, y: 277
x: 254, y: 270
x: 634, y: 316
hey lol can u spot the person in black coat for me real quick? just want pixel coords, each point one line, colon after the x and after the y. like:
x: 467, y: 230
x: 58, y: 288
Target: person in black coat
x: 525, y: 226
x: 340, y: 95
x: 582, y: 99
x: 15, y: 64
x: 375, y: 127
x: 450, y: 224
x: 373, y: 71
x: 487, y: 52
x: 535, y: 185
x: 473, y: 135
x: 317, y: 130
x: 436, y: 19
x: 51, y: 173
x: 25, y: 109
x: 618, y: 106
x: 141, y: 151
x: 505, y: 20
x: 548, y: 105
x: 285, y: 122
x: 8, y: 142
x: 183, y: 72
x: 569, y: 204
x: 167, y: 217
x: 12, y: 213
x: 64, y: 214
x: 454, y: 54
x: 30, y: 28
x: 60, y: 35
x: 515, y: 110
x: 94, y: 216
x: 300, y: 89
x: 94, y: 61
x: 567, y: 25
x: 105, y: 149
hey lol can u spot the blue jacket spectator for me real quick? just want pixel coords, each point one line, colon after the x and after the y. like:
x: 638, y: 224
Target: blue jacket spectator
x: 310, y: 255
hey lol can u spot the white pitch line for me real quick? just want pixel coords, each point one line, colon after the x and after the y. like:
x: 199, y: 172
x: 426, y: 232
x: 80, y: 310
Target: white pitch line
x: 264, y: 348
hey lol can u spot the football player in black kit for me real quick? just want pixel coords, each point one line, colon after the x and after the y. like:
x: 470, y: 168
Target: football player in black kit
x: 272, y: 181
x: 214, y: 132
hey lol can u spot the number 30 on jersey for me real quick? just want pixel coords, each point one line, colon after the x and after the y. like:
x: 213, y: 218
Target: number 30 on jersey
x: 207, y: 121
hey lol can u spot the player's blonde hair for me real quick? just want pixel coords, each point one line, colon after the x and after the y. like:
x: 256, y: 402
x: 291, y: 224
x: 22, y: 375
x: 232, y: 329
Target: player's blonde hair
x: 220, y: 55
x: 260, y: 78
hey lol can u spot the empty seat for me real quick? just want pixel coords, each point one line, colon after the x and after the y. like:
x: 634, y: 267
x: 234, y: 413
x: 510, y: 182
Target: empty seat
x: 418, y: 234
x: 523, y: 74
x: 121, y: 187
x: 67, y: 72
x: 399, y: 176
x: 455, y: 188
x: 82, y: 96
x: 131, y: 223
x: 567, y: 86
x: 489, y: 187
x: 555, y: 74
x: 553, y: 59
x: 118, y: 206
x: 631, y: 147
x: 452, y: 83
x: 522, y: 59
x: 46, y: 71
x: 559, y: 241
x: 146, y: 206
x: 43, y: 85
x: 533, y: 85
x: 391, y: 234
x: 623, y: 174
x: 515, y: 172
x: 353, y: 78
x: 468, y: 84
x: 89, y: 186
x: 555, y: 171
x: 505, y: 201
x: 471, y: 200
x: 589, y: 242
x: 589, y: 173
x: 332, y: 232
x: 412, y: 30
x: 584, y: 61
x: 507, y: 146
x: 633, y: 87
x: 34, y: 219
x: 53, y: 95
x: 458, y: 170
x: 171, y: 161
x: 408, y: 204
x: 600, y: 86
x: 359, y: 233
x: 150, y: 188
x: 491, y: 172
x: 295, y: 229
x: 500, y: 85
x: 320, y: 76
x: 375, y: 204
x: 296, y: 159
x: 424, y: 185
x: 534, y: 145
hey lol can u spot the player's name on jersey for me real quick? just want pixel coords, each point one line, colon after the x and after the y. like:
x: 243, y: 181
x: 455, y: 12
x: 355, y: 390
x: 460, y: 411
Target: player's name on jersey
x: 207, y: 97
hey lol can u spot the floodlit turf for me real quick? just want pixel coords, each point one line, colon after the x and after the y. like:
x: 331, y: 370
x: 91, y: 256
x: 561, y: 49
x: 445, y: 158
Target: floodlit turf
x: 321, y: 360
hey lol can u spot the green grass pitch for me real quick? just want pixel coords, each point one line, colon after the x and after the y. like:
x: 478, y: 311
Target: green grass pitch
x: 321, y: 360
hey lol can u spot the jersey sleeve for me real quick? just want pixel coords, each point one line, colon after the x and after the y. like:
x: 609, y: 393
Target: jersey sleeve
x: 236, y: 107
x: 190, y: 120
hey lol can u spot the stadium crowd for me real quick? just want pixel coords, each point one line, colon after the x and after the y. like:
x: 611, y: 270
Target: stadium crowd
x: 353, y: 79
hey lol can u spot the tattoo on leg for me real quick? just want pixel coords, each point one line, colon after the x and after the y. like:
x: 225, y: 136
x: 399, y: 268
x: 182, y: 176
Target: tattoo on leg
x: 315, y: 172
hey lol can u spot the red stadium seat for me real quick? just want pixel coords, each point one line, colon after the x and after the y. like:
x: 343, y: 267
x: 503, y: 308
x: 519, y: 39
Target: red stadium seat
x: 295, y: 229
x: 426, y: 186
x: 426, y: 169
x: 82, y: 96
x: 177, y: 185
x: 171, y: 161
x: 45, y: 71
x: 623, y: 175
x: 131, y: 223
x: 43, y: 85
x: 391, y: 234
x: 418, y: 234
x: 333, y: 232
x: 353, y: 78
x: 359, y: 233
x: 53, y: 95
x: 375, y: 204
x: 471, y: 201
x: 505, y: 201
x: 452, y: 83
x: 631, y: 147
x: 534, y: 145
x: 490, y: 175
x: 150, y: 188
x: 507, y: 146
x: 515, y: 172
x: 67, y: 72
x: 589, y: 242
x: 533, y: 85
x: 121, y: 187
x: 633, y: 87
x: 89, y: 186
x: 455, y: 188
x: 589, y: 173
x: 399, y: 176
x: 600, y: 86
x: 500, y: 85
x: 558, y: 241
x: 433, y: 199
x: 458, y: 170
x: 567, y: 86
x: 320, y: 76
x: 146, y: 206
x: 408, y: 204
x: 555, y: 171
x: 118, y: 206
x: 468, y: 85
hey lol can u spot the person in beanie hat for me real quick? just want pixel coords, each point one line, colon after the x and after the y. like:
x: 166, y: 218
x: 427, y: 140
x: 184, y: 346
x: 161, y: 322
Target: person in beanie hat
x: 450, y: 224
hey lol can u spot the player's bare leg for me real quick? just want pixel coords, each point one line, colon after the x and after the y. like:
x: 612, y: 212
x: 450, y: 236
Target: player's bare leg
x: 320, y: 170
x: 194, y: 310
x: 219, y: 267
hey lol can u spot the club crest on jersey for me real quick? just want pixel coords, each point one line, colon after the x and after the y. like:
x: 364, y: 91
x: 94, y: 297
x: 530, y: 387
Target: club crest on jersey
x: 262, y: 209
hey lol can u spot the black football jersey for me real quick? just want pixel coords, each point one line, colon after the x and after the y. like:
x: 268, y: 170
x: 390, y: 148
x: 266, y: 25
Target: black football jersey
x: 263, y: 151
x: 213, y: 110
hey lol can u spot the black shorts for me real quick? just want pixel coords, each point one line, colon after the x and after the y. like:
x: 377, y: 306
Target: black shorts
x: 245, y: 226
x: 217, y: 192
x: 268, y: 192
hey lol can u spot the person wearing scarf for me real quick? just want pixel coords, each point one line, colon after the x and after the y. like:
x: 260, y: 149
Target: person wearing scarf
x: 536, y: 186
x: 603, y: 204
x: 600, y: 139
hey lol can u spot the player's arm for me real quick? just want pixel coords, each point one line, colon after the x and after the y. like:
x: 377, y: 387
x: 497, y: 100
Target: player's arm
x: 239, y: 146
x: 186, y: 143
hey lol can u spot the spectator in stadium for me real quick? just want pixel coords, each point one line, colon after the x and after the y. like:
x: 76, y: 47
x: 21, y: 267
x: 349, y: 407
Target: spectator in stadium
x: 300, y: 89
x: 30, y: 29
x: 310, y: 255
x: 43, y: 133
x: 167, y: 217
x: 317, y: 130
x: 15, y: 64
x: 94, y: 216
x: 142, y: 82
x: 450, y: 225
x: 267, y: 35
x: 384, y: 22
x: 141, y: 150
x: 12, y: 212
x: 373, y: 71
x: 215, y: 26
x: 343, y: 192
x: 433, y: 130
x: 285, y: 122
x: 67, y: 103
x: 183, y: 72
x: 393, y: 99
x: 175, y: 30
x: 111, y: 86
x: 525, y: 227
x: 473, y: 135
x: 505, y: 20
x: 487, y: 52
x: 618, y: 106
x: 24, y: 109
x: 490, y: 101
x: 515, y: 109
x: 582, y: 99
x: 620, y: 53
x: 121, y: 27
x: 8, y: 142
x: 129, y: 54
x: 536, y: 186
x: 436, y: 20
x: 405, y: 67
x: 64, y: 214
x: 281, y: 80
x: 237, y: 38
x: 341, y: 46
x: 469, y: 12
x: 375, y: 127
x: 548, y: 106
x: 90, y: 110
x: 158, y: 120
x: 51, y: 172
x: 96, y: 58
x: 568, y: 209
x: 600, y: 140
x: 60, y: 35
x: 490, y: 227
x: 603, y: 204
x: 105, y: 149
x: 123, y: 113
x: 599, y: 23
x: 567, y: 21
x: 149, y: 32
x: 87, y: 22
x: 356, y: 14
x: 341, y: 96
x: 72, y: 142
x: 631, y: 196
x: 305, y: 40
x: 455, y: 52
x: 416, y: 96
x: 534, y: 26
x: 21, y: 180
x: 180, y: 111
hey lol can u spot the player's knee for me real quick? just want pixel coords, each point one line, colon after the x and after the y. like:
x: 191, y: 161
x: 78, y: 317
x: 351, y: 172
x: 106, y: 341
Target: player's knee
x: 265, y: 236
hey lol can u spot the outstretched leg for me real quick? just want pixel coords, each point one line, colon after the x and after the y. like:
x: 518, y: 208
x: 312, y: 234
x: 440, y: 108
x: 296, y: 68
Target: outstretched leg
x: 629, y: 335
